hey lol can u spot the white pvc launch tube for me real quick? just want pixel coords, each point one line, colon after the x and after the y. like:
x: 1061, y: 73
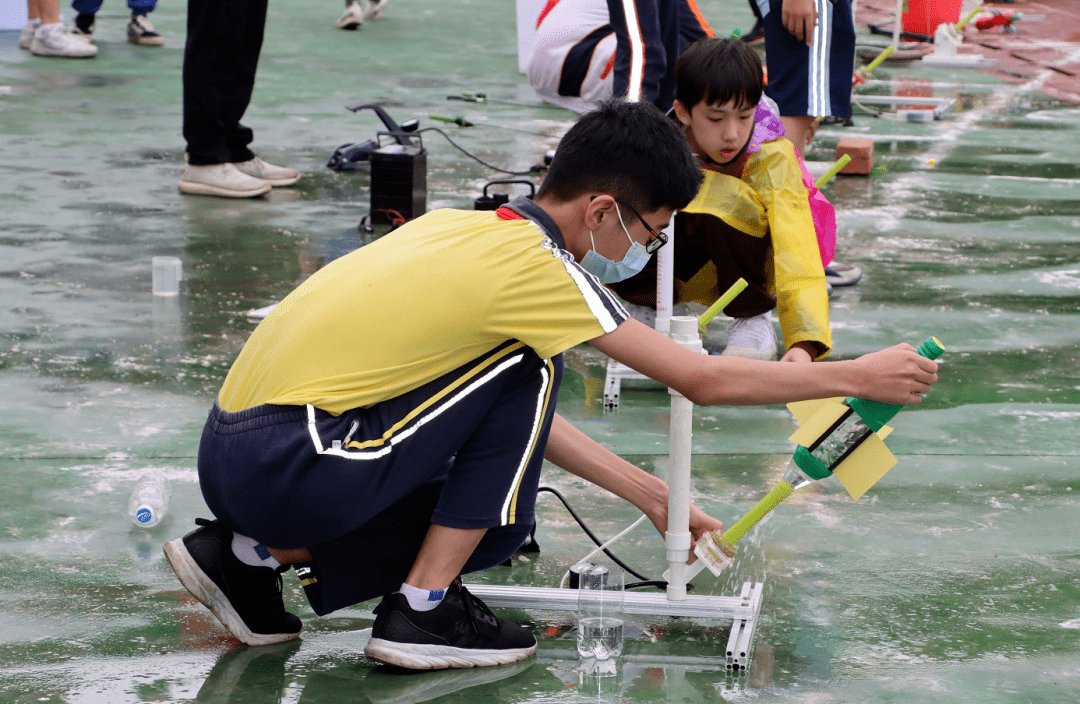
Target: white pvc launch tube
x: 665, y: 280
x: 684, y: 331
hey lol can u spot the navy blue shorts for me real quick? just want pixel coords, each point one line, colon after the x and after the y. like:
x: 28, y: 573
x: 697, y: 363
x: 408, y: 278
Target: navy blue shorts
x: 811, y: 80
x: 360, y: 489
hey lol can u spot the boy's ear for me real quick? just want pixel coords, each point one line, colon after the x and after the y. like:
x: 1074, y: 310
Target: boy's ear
x: 681, y: 112
x: 596, y: 209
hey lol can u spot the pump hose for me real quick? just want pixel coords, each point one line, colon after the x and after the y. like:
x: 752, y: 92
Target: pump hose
x: 779, y: 492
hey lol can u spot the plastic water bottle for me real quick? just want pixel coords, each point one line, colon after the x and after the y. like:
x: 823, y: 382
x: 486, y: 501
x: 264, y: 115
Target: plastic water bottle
x: 149, y: 500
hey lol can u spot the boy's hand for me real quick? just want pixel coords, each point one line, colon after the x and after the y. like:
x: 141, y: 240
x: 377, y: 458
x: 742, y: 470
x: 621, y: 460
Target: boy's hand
x: 897, y: 375
x: 700, y: 524
x: 799, y: 18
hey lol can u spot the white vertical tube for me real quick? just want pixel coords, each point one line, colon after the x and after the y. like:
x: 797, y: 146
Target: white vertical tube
x: 896, y: 25
x: 684, y: 331
x: 665, y: 280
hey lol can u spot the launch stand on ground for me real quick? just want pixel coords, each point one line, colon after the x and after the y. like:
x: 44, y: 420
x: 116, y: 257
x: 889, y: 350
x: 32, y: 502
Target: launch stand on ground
x: 742, y: 610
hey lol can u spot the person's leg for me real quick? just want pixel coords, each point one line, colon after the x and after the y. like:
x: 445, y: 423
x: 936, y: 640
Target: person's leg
x: 86, y: 11
x: 33, y: 21
x: 218, y: 74
x: 492, y: 484
x: 789, y: 65
x: 353, y: 17
x: 640, y: 54
x: 140, y: 30
x: 799, y: 129
x: 48, y: 11
x: 52, y: 38
x: 224, y: 38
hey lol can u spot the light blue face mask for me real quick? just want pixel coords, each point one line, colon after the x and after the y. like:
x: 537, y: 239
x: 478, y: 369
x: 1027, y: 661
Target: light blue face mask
x: 608, y: 271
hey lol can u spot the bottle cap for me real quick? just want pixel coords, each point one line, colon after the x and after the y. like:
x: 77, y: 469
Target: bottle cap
x: 144, y: 514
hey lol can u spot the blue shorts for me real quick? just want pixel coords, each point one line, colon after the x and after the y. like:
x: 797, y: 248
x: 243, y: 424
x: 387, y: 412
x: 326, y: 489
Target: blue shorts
x: 811, y: 80
x: 359, y: 490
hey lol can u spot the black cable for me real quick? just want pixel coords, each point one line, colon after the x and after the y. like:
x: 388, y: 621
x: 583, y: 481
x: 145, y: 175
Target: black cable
x: 478, y: 159
x: 658, y: 583
x: 593, y: 537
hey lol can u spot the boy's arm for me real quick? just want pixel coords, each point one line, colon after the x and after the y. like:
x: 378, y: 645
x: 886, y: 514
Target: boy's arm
x: 802, y: 297
x: 577, y: 453
x: 894, y: 375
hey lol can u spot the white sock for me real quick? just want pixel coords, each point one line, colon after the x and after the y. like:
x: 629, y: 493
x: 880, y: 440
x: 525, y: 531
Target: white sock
x: 252, y: 552
x: 422, y: 599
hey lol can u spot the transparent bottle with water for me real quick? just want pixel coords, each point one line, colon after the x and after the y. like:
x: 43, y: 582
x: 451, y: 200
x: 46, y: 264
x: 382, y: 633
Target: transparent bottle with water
x: 149, y: 500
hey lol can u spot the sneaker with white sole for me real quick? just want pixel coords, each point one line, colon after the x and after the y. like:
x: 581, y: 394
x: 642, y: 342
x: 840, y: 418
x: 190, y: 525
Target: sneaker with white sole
x: 840, y: 274
x: 140, y: 31
x: 26, y: 36
x: 460, y: 632
x: 223, y: 180
x: 353, y: 17
x: 56, y: 40
x: 374, y: 8
x: 752, y: 338
x: 274, y: 175
x: 246, y: 599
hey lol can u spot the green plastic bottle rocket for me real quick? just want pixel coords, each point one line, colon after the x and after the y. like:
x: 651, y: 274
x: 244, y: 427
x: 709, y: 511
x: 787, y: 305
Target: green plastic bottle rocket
x: 838, y: 437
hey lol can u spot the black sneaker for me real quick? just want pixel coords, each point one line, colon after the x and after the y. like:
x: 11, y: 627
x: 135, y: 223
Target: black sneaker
x: 459, y: 632
x: 246, y: 599
x: 84, y: 25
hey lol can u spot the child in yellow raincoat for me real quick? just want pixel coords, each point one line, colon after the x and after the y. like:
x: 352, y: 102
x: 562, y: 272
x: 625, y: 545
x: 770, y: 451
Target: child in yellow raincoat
x: 757, y: 215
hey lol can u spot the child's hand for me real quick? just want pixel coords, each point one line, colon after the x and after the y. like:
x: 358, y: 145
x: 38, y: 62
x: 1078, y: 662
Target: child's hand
x: 897, y: 375
x: 799, y: 18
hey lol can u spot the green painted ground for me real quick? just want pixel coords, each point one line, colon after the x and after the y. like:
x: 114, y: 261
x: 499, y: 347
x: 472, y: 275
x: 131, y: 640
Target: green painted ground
x: 955, y: 579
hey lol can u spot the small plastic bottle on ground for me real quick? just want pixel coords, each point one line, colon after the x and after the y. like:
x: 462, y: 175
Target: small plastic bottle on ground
x: 149, y: 500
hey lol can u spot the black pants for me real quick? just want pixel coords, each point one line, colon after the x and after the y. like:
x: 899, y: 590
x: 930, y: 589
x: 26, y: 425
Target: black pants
x: 224, y: 38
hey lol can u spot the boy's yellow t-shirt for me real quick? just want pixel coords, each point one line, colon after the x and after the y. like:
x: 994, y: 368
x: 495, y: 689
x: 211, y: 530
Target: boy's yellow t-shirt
x: 415, y: 304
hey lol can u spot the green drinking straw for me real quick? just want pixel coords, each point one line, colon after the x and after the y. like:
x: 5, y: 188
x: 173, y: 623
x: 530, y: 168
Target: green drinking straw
x: 721, y: 303
x: 827, y: 176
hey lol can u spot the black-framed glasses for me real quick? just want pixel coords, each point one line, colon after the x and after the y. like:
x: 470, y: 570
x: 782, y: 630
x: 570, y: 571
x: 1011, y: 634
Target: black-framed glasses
x: 657, y: 239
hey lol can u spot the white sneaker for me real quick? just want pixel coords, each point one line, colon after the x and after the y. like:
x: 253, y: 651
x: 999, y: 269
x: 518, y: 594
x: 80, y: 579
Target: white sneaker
x: 26, y: 36
x: 374, y: 8
x: 56, y: 40
x: 752, y: 338
x: 353, y: 17
x: 274, y: 175
x: 141, y: 32
x: 223, y: 180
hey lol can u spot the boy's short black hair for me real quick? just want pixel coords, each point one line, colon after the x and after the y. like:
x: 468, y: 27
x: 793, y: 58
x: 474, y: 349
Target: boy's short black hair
x: 716, y: 70
x: 628, y: 150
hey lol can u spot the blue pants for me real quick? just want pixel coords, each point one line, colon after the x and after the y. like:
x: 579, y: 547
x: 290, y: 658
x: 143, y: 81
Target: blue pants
x: 359, y: 490
x: 811, y: 80
x: 91, y: 7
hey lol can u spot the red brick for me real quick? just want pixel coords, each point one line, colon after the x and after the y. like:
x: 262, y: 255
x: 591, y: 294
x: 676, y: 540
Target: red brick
x: 862, y: 156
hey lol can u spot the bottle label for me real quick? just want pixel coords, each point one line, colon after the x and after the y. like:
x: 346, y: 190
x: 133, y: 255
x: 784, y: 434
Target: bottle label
x: 144, y: 515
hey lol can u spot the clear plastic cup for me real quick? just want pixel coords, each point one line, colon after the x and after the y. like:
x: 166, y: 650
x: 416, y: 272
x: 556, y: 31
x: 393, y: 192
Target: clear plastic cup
x: 167, y: 274
x: 600, y: 612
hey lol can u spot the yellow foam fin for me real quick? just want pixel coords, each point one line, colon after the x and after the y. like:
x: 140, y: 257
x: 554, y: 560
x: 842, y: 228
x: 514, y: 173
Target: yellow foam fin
x: 805, y: 410
x: 828, y: 412
x: 870, y: 461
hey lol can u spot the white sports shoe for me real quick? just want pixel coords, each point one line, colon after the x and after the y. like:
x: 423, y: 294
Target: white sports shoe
x: 752, y: 338
x: 223, y: 180
x: 26, y: 36
x: 374, y: 8
x: 353, y: 17
x: 56, y: 40
x: 274, y: 175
